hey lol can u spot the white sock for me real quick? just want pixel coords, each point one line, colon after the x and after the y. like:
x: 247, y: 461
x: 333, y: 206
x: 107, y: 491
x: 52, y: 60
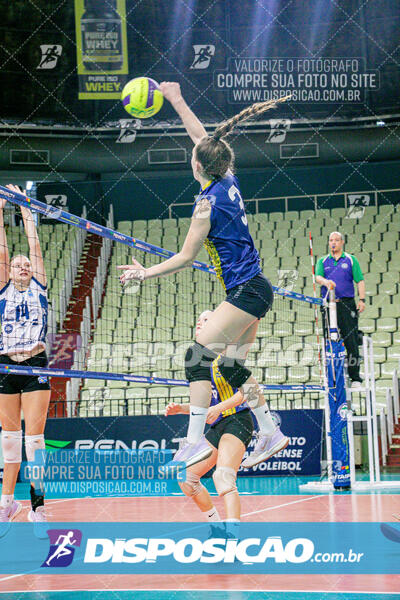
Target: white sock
x: 197, y: 422
x: 6, y: 500
x: 264, y: 420
x: 212, y: 514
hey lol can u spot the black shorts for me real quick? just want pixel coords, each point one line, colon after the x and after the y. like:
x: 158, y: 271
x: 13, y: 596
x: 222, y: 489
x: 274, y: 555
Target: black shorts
x: 19, y: 384
x: 254, y: 296
x: 239, y: 424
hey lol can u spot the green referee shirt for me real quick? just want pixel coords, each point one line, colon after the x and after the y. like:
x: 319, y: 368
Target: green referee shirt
x: 343, y: 272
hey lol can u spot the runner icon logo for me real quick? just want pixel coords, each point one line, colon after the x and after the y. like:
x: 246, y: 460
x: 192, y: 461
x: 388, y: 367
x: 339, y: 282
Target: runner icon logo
x: 62, y: 547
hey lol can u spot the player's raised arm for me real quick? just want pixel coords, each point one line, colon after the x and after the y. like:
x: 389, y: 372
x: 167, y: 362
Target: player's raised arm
x: 4, y: 255
x: 172, y: 92
x: 35, y: 252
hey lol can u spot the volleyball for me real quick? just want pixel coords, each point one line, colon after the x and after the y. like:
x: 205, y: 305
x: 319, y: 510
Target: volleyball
x: 142, y: 98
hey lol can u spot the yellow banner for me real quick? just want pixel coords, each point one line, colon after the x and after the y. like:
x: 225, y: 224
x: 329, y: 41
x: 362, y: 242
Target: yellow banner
x: 101, y: 48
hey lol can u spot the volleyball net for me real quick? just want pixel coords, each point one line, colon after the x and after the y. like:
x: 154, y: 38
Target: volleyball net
x: 117, y: 350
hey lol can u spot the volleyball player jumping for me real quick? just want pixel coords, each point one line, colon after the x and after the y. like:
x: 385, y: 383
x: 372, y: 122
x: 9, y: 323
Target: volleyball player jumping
x: 23, y: 315
x: 229, y: 435
x: 219, y: 221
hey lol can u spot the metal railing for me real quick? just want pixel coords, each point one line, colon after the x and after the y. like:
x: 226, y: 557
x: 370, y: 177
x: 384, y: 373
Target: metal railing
x: 72, y: 269
x: 89, y: 316
x: 314, y: 197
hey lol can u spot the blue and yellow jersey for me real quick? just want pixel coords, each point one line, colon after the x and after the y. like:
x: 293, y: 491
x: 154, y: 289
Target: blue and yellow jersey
x: 229, y: 243
x: 221, y: 390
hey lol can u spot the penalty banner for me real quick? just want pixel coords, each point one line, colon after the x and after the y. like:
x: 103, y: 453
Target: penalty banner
x: 301, y: 457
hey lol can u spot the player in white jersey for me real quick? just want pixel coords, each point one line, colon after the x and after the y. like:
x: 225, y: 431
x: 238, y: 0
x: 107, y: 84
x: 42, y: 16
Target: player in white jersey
x: 23, y: 327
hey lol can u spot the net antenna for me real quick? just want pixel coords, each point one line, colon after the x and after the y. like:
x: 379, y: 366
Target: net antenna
x: 321, y: 376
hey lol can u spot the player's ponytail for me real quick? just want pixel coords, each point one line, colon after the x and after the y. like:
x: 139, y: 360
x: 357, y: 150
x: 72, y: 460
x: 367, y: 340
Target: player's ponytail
x: 251, y: 111
x: 214, y: 154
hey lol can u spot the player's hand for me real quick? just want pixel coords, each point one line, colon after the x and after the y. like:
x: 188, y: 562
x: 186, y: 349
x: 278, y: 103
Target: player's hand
x: 134, y: 271
x: 173, y: 409
x: 171, y: 91
x: 361, y: 306
x: 13, y: 188
x: 330, y: 284
x: 213, y: 414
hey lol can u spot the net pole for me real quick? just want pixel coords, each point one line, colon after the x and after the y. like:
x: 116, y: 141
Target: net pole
x: 350, y: 433
x: 315, y: 308
x: 373, y: 409
x: 368, y: 411
x: 327, y: 420
x: 322, y: 371
x: 333, y: 327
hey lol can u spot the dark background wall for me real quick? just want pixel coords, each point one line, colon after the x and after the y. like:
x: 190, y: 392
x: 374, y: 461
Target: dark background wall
x: 161, y: 36
x: 149, y: 196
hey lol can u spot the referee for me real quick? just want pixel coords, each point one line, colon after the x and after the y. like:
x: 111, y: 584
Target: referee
x: 339, y: 270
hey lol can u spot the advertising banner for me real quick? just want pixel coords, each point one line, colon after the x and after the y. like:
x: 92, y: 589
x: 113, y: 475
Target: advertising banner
x: 101, y: 47
x: 301, y: 457
x: 188, y: 548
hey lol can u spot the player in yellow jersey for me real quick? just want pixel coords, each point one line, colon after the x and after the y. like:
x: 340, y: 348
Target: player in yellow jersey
x: 229, y: 435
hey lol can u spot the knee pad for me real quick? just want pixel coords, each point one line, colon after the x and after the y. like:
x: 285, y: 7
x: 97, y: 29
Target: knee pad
x: 233, y: 371
x: 192, y: 485
x: 224, y: 480
x: 33, y: 443
x: 11, y: 443
x: 198, y: 360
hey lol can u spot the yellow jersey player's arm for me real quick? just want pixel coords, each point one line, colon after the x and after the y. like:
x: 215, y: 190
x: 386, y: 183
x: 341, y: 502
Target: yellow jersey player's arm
x: 172, y: 92
x: 198, y: 231
x: 233, y: 401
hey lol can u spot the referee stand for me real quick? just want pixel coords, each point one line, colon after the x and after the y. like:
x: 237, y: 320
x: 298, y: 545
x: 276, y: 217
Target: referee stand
x: 368, y: 390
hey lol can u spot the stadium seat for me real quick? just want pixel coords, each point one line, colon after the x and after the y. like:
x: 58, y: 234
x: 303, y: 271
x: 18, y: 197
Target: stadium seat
x: 395, y: 354
x: 382, y: 338
x: 304, y: 328
x: 282, y: 329
x: 389, y: 288
x: 276, y: 375
x: 386, y: 324
x: 291, y: 215
x: 306, y: 215
x: 385, y: 209
x: 379, y: 354
x: 388, y: 369
x: 179, y: 394
x: 275, y: 217
x: 298, y: 374
x: 373, y: 310
x: 367, y: 326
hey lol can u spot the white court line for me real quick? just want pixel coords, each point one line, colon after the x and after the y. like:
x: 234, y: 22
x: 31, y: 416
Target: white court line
x: 12, y: 577
x: 281, y: 505
x: 244, y: 515
x: 28, y: 506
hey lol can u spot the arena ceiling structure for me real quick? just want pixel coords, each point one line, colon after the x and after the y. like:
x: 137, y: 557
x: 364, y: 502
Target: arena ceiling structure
x: 338, y: 60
